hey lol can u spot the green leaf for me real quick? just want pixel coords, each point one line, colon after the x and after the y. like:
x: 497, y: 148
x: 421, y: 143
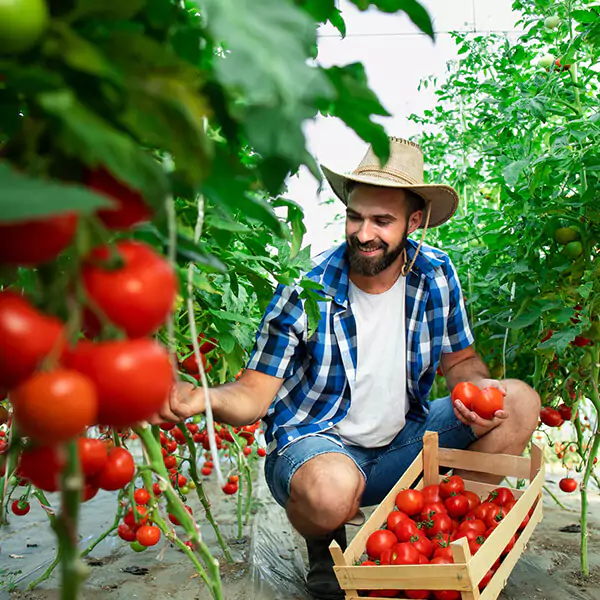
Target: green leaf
x: 319, y: 10
x: 230, y: 316
x: 114, y: 9
x: 338, y: 22
x: 296, y: 219
x: 513, y: 172
x: 23, y: 197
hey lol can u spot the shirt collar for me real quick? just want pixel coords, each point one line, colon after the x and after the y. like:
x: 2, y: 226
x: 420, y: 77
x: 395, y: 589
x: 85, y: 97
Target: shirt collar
x: 333, y: 270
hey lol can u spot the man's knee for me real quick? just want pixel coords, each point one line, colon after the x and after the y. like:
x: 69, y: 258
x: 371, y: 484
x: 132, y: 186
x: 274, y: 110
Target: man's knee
x: 522, y: 403
x: 326, y: 490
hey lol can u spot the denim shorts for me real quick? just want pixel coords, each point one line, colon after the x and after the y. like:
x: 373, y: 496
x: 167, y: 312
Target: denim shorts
x: 381, y: 467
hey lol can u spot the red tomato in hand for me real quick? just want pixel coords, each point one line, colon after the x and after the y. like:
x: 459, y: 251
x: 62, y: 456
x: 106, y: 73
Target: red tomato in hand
x: 378, y: 541
x: 29, y: 243
x: 133, y: 377
x: 550, y: 417
x: 410, y: 502
x: 118, y: 471
x: 137, y: 296
x: 466, y: 392
x: 129, y: 207
x: 568, y: 485
x: 93, y: 455
x: 451, y: 485
x: 26, y: 338
x: 490, y: 400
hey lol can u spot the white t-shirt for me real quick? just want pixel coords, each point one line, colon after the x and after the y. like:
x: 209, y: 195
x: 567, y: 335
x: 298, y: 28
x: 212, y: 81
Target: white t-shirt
x: 379, y: 401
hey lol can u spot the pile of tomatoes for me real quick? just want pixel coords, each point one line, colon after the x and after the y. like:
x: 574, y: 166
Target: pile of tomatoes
x: 423, y: 524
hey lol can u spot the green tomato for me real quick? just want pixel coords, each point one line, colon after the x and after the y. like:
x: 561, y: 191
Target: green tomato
x: 564, y: 235
x: 185, y: 490
x: 191, y: 484
x: 573, y: 249
x: 552, y: 22
x: 22, y: 23
x: 137, y: 547
x: 547, y: 61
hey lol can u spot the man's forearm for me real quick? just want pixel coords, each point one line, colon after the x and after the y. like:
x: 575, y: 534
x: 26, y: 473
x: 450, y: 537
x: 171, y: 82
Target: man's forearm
x: 234, y: 404
x: 472, y: 369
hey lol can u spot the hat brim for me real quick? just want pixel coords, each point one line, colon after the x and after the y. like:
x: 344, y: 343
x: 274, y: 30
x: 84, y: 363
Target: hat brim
x: 443, y: 198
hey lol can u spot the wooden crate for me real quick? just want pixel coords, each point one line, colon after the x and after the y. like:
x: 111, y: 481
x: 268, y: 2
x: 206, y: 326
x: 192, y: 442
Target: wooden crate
x: 468, y: 570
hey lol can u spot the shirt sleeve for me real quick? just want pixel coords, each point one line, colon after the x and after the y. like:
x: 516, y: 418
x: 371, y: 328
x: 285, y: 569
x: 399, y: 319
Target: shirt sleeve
x: 281, y: 334
x: 458, y: 334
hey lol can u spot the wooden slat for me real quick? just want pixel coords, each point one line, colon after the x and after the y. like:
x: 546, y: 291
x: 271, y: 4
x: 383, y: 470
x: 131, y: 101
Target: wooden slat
x: 484, y: 489
x: 338, y: 560
x: 404, y: 577
x: 462, y: 555
x: 379, y: 516
x: 498, y: 581
x: 495, y: 464
x: 537, y: 458
x: 498, y: 540
x: 431, y: 465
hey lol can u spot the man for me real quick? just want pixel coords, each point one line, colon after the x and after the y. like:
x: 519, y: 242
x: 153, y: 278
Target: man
x: 346, y: 409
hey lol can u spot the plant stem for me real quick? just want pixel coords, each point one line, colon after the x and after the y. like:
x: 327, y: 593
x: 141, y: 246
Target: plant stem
x: 41, y: 497
x: 200, y: 491
x: 555, y: 498
x: 240, y: 500
x: 177, y: 508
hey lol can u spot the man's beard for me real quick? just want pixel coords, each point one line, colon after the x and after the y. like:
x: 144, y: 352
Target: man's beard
x: 371, y: 266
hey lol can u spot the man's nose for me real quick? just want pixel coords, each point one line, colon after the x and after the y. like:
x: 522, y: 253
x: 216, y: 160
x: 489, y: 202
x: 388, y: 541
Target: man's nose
x: 365, y: 233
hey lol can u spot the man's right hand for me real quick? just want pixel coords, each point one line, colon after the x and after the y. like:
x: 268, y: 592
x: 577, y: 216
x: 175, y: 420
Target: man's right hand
x: 186, y: 400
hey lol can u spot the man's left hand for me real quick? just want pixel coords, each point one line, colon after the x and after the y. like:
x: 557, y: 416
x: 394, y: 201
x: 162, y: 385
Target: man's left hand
x: 468, y: 417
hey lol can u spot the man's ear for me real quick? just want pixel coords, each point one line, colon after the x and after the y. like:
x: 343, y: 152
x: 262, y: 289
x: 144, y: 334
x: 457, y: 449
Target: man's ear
x: 415, y: 221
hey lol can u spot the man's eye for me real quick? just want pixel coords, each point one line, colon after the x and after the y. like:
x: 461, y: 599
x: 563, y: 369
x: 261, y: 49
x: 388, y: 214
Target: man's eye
x: 382, y: 223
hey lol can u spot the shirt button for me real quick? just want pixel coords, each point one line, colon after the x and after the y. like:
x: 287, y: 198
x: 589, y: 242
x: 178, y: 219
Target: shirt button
x: 290, y: 437
x: 330, y: 423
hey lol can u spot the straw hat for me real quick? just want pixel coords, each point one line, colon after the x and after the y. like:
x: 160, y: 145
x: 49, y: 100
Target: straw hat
x: 404, y: 169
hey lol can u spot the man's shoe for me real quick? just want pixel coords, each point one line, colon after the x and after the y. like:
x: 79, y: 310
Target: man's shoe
x: 321, y: 581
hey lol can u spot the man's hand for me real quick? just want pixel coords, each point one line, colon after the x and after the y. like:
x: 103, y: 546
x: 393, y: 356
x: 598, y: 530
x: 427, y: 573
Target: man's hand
x: 185, y: 401
x: 468, y: 417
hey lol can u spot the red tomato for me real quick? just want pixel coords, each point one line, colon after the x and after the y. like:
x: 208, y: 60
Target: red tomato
x: 417, y: 594
x: 445, y: 552
x: 379, y: 541
x: 494, y: 516
x: 368, y: 563
x: 432, y: 508
x: 88, y: 492
x: 568, y: 485
x: 466, y: 392
x: 383, y: 594
x: 550, y: 417
x: 386, y: 557
x: 230, y: 488
x: 133, y: 377
x: 26, y: 337
x: 148, y: 535
x: 29, y: 243
x: 141, y: 496
x: 501, y: 496
x: 208, y: 345
x: 118, y: 471
x: 510, y: 545
x: 476, y: 525
x: 442, y: 540
x: 410, y: 502
x: 423, y: 545
x: 394, y: 518
x: 566, y: 412
x: 190, y: 364
x: 446, y: 595
x: 52, y: 407
x: 20, y: 507
x: 129, y: 207
x: 405, y: 554
x: 438, y: 524
x: 490, y: 400
x: 441, y: 561
x: 92, y: 455
x: 138, y: 296
x: 431, y: 493
x: 451, y: 485
x: 170, y: 461
x: 476, y: 543
x: 482, y: 510
x: 457, y: 506
x: 141, y: 516
x: 42, y: 466
x: 485, y: 580
x: 473, y: 499
x: 405, y: 530
x: 126, y: 533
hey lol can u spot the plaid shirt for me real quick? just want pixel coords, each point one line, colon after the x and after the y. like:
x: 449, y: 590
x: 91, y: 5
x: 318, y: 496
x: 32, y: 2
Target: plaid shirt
x: 319, y: 372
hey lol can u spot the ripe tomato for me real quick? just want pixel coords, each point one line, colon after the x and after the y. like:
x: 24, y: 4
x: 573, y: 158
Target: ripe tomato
x: 208, y: 345
x: 141, y: 516
x: 42, y: 466
x: 423, y: 545
x: 485, y: 580
x: 494, y: 516
x: 379, y: 541
x: 54, y: 406
x: 468, y: 393
x: 129, y: 207
x: 92, y: 455
x: 566, y: 412
x: 190, y: 364
x: 568, y: 485
x: 490, y: 400
x: 148, y: 535
x: 476, y: 525
x: 550, y: 417
x: 133, y: 377
x: 482, y: 510
x: 510, y: 545
x: 439, y: 523
x: 405, y: 553
x: 443, y: 552
x: 170, y: 461
x: 451, y: 485
x: 386, y: 557
x: 126, y: 533
x: 230, y: 488
x: 476, y: 543
x: 20, y: 507
x: 141, y: 496
x: 26, y: 338
x: 410, y: 502
x: 417, y: 594
x: 88, y: 492
x: 405, y: 530
x: 446, y: 595
x: 501, y: 496
x: 118, y: 471
x: 431, y: 493
x: 457, y: 506
x: 138, y: 296
x: 394, y: 518
x: 473, y: 499
x: 30, y: 243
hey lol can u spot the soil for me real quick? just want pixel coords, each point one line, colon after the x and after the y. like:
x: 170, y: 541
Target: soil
x: 270, y: 558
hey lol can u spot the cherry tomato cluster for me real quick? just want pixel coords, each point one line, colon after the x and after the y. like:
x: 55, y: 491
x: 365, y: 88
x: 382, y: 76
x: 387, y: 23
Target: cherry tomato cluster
x: 423, y: 524
x: 137, y: 527
x: 484, y: 402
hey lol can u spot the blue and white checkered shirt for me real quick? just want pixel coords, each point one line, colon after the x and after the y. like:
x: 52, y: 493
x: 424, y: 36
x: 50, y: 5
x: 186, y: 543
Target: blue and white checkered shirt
x: 320, y: 371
